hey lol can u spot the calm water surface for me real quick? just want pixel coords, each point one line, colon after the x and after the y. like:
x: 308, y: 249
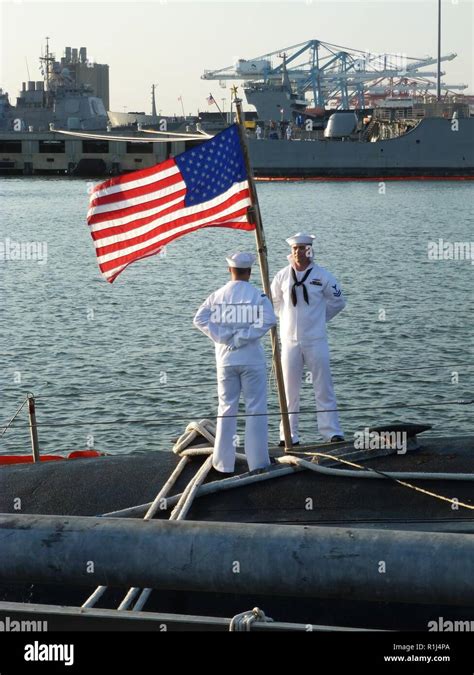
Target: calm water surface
x: 127, y: 353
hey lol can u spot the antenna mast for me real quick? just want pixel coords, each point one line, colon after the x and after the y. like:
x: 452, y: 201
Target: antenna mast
x: 47, y: 60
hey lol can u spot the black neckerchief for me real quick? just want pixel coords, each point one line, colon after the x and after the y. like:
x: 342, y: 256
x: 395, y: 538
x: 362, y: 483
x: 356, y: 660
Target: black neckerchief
x: 294, y: 299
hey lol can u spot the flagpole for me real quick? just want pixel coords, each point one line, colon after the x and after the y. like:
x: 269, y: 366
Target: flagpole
x: 262, y: 257
x: 217, y: 106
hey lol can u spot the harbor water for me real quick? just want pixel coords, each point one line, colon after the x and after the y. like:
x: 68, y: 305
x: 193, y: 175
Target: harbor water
x: 120, y: 367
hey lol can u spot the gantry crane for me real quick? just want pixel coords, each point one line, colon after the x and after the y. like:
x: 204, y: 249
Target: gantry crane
x: 332, y: 73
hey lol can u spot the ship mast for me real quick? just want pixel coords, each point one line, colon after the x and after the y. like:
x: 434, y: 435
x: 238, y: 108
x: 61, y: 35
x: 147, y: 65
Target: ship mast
x: 47, y: 63
x: 47, y: 60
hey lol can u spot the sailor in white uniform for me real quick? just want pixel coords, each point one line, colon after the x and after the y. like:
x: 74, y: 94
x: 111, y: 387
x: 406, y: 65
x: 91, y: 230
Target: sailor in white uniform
x: 236, y: 317
x: 305, y: 298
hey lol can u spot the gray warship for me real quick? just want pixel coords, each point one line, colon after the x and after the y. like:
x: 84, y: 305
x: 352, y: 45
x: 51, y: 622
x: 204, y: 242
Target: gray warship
x: 325, y: 111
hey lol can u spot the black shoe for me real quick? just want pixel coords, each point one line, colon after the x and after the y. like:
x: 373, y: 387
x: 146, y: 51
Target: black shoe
x: 256, y: 472
x: 337, y: 439
x: 213, y: 472
x: 281, y: 444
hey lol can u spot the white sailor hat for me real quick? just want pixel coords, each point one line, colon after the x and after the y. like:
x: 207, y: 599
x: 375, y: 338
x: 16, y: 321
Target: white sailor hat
x: 300, y: 238
x: 241, y: 260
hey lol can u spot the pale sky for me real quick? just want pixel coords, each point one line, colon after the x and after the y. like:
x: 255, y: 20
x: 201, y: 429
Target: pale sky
x: 171, y: 42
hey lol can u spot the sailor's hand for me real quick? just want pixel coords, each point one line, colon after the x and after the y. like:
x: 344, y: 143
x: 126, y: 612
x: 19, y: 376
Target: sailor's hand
x: 233, y: 344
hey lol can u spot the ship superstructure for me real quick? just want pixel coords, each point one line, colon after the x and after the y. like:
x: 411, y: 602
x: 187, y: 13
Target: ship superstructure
x: 68, y: 97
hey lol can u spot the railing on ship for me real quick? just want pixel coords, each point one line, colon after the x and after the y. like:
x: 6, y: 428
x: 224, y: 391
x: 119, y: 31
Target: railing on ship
x: 414, y: 113
x: 278, y: 132
x: 420, y: 110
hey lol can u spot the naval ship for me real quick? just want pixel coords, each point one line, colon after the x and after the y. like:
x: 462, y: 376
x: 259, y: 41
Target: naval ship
x: 405, y: 142
x: 326, y: 111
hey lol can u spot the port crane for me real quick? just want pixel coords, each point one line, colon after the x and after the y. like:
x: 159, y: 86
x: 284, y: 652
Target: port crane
x: 329, y: 73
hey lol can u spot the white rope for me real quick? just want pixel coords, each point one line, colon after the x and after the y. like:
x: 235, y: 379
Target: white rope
x: 182, y: 507
x: 198, y: 134
x: 134, y: 139
x: 196, y: 451
x: 367, y: 472
x: 205, y: 428
x: 243, y: 622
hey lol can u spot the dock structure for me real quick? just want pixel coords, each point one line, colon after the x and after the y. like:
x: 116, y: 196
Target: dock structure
x: 30, y: 153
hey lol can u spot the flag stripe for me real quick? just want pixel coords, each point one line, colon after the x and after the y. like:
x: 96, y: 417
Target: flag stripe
x: 106, y: 251
x: 150, y: 226
x: 148, y: 219
x: 138, y: 194
x: 127, y: 216
x: 125, y: 233
x: 121, y: 216
x: 110, y: 273
x: 129, y: 181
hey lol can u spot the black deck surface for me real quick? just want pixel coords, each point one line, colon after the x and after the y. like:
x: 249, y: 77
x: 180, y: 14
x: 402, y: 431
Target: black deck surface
x: 97, y: 486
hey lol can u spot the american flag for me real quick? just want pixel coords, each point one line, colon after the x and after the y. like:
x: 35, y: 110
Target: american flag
x: 210, y: 99
x: 134, y: 216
